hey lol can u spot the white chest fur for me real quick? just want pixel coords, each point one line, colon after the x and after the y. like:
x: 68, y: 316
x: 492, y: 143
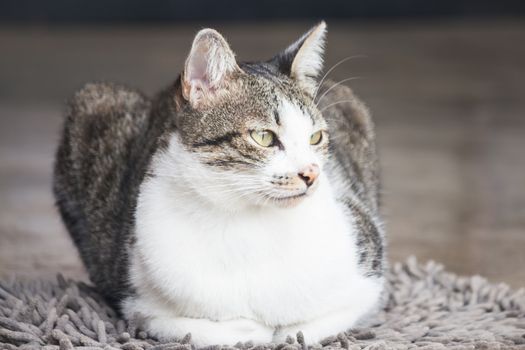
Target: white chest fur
x: 278, y: 266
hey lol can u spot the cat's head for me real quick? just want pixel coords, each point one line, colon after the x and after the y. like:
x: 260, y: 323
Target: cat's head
x: 251, y: 133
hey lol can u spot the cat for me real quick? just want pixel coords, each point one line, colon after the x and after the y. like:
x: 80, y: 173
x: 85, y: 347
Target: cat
x: 239, y: 204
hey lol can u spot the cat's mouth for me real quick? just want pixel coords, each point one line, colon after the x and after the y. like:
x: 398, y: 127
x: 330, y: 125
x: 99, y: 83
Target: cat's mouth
x: 288, y: 201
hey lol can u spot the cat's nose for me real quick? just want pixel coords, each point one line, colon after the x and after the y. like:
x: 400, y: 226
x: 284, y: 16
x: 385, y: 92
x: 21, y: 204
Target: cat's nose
x: 309, y: 174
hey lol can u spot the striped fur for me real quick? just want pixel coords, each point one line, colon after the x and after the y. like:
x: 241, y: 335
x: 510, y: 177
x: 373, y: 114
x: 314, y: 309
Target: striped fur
x: 179, y: 215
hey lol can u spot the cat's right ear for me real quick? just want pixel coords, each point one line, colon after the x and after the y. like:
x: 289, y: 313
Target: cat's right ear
x: 208, y: 68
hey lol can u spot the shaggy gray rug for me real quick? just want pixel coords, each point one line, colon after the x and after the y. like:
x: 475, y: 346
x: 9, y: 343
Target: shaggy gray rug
x: 428, y: 308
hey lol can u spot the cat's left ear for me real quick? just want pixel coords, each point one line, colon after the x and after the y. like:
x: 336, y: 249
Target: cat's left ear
x: 303, y: 60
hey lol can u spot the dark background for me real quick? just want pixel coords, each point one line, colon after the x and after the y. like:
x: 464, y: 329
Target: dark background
x: 111, y: 11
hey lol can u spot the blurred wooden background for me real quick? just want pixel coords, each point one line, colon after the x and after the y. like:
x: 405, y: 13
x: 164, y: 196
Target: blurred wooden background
x: 448, y: 98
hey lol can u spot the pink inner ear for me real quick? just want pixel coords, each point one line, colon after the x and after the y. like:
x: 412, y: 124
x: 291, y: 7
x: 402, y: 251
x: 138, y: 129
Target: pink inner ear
x: 197, y: 66
x: 196, y: 77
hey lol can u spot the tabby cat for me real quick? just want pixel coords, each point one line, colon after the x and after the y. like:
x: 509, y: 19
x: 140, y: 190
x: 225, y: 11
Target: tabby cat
x: 239, y: 204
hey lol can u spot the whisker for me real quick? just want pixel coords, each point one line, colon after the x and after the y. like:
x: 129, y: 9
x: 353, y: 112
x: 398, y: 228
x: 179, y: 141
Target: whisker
x: 333, y: 104
x: 333, y: 86
x: 334, y: 67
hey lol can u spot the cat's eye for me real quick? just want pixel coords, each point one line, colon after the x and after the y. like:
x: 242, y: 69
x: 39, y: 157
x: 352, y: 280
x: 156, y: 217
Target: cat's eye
x: 316, y: 138
x: 264, y: 138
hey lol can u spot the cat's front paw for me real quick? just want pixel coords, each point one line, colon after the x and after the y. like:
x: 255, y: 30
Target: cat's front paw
x: 231, y: 332
x: 310, y: 335
x: 244, y: 330
x: 205, y: 332
x: 281, y: 334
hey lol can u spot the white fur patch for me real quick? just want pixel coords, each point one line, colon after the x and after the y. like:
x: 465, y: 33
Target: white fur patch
x: 205, y: 262
x: 294, y: 133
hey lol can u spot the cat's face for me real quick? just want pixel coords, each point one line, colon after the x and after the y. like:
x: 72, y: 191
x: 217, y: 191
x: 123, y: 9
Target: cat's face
x: 253, y: 136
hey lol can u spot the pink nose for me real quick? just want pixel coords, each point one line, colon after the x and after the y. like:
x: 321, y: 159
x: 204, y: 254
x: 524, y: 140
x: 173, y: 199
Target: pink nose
x: 309, y: 174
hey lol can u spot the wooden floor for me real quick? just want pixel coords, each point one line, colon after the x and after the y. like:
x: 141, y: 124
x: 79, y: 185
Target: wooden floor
x: 448, y: 100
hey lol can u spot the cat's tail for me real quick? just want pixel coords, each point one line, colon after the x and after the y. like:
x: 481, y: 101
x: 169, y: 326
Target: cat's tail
x: 96, y: 177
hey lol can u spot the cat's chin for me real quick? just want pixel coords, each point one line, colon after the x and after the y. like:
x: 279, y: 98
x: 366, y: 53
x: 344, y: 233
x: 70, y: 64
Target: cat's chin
x: 288, y: 201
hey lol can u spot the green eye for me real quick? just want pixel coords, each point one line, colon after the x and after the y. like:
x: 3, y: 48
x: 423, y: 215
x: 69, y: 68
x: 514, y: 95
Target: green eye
x: 265, y: 138
x: 316, y: 138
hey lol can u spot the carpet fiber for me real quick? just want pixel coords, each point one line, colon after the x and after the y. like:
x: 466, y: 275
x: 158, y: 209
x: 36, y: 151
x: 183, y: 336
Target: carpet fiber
x: 428, y: 308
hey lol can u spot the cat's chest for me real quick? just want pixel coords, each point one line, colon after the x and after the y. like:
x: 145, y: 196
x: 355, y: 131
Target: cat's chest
x: 218, y: 264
